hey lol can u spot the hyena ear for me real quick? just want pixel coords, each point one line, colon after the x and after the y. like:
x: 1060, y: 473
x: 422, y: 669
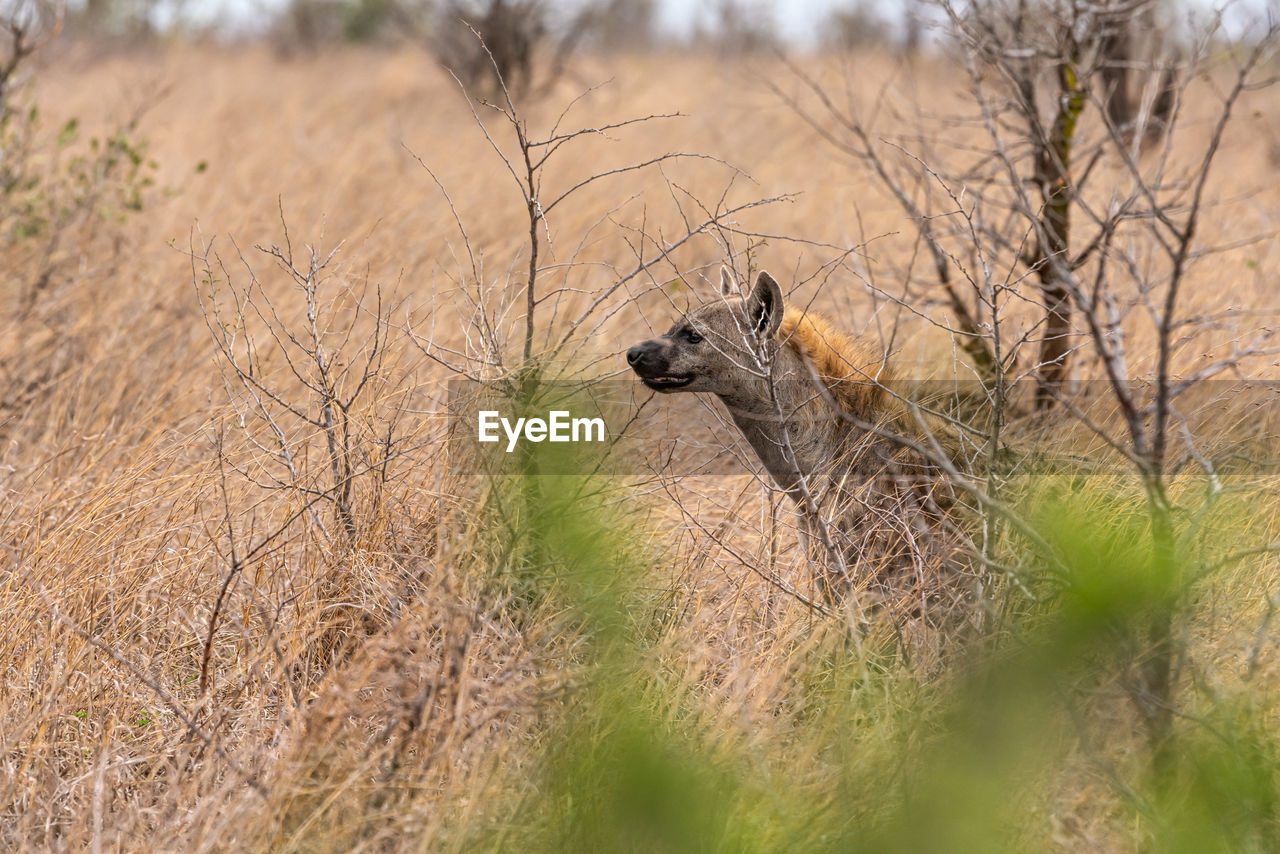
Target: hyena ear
x: 728, y: 284
x: 764, y: 306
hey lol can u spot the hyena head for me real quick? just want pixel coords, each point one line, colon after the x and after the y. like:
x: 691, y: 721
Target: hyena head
x: 718, y: 347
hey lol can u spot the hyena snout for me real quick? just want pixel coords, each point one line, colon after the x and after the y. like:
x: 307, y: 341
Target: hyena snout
x: 642, y: 355
x: 652, y: 363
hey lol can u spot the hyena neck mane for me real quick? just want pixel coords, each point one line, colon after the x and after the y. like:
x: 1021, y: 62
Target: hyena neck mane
x: 811, y: 418
x: 850, y: 372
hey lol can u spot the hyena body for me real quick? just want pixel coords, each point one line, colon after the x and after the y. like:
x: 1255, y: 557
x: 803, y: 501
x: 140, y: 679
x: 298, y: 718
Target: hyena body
x: 813, y: 405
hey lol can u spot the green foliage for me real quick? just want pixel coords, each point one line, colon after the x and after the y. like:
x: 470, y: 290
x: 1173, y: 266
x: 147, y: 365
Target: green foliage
x: 1222, y: 791
x: 876, y: 758
x: 366, y: 19
x: 67, y: 182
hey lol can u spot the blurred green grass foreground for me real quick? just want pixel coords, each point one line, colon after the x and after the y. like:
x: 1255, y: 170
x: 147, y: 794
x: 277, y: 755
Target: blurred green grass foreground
x: 864, y: 751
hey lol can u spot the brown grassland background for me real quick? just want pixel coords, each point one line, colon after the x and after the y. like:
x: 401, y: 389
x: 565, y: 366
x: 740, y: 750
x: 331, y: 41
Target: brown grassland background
x: 379, y: 694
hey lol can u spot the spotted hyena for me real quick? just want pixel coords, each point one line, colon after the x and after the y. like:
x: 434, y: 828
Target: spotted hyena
x: 813, y: 404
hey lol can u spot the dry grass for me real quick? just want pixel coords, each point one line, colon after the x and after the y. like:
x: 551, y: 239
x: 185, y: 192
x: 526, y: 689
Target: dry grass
x: 381, y: 695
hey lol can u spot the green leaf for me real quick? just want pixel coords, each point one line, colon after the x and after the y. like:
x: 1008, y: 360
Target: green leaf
x: 68, y: 133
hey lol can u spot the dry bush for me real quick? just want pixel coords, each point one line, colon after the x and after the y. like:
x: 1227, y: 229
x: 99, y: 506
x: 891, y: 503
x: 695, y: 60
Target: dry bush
x: 516, y: 47
x: 738, y: 27
x: 65, y: 197
x: 1017, y: 196
x: 613, y: 25
x: 857, y: 26
x: 121, y: 23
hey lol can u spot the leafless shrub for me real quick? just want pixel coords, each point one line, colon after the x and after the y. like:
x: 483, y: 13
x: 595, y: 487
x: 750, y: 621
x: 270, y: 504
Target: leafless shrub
x: 526, y: 166
x: 738, y: 27
x: 516, y: 46
x: 123, y: 22
x: 306, y: 25
x: 619, y: 24
x: 856, y: 26
x: 307, y: 386
x: 24, y: 28
x: 1053, y: 191
x: 318, y: 405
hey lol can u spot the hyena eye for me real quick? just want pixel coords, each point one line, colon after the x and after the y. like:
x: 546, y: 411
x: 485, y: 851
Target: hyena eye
x: 692, y: 337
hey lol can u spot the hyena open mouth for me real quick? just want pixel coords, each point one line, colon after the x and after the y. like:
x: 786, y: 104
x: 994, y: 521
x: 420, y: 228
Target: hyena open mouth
x: 651, y: 361
x: 666, y: 383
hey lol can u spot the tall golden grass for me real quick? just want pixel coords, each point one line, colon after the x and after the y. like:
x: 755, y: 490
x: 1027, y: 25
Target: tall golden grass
x: 389, y: 693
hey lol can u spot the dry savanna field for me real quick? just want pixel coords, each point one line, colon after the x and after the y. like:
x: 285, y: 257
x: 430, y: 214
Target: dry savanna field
x: 248, y: 605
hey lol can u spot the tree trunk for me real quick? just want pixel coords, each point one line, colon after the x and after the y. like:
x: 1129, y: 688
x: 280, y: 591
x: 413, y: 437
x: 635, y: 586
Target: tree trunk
x: 1053, y: 175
